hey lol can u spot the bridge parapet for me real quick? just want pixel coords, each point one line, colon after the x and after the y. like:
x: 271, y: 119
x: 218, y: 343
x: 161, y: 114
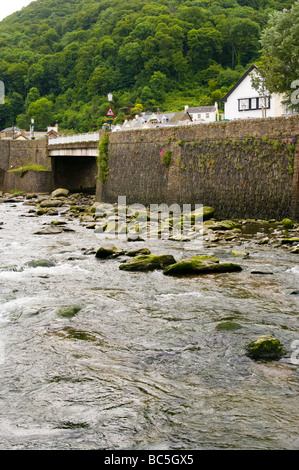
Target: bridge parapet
x: 70, y: 139
x: 80, y: 145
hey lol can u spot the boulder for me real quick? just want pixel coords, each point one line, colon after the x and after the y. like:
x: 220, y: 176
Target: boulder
x: 147, y: 263
x: 225, y: 225
x: 139, y: 251
x: 51, y: 203
x: 205, y: 212
x: 266, y: 348
x: 200, y: 265
x: 60, y: 192
x: 287, y: 223
x: 108, y: 251
x: 48, y: 231
x: 289, y: 241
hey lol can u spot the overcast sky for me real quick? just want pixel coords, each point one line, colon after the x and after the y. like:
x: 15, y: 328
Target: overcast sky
x: 8, y: 7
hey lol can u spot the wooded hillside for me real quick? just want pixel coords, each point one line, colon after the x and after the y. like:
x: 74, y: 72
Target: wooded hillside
x: 59, y: 59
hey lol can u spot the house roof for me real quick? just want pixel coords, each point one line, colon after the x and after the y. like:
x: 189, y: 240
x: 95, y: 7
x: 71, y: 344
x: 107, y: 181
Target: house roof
x: 11, y: 129
x: 202, y: 109
x: 179, y: 116
x: 224, y: 99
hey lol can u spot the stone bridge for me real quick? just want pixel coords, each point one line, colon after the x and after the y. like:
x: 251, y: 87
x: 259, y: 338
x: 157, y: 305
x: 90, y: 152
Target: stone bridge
x: 74, y: 160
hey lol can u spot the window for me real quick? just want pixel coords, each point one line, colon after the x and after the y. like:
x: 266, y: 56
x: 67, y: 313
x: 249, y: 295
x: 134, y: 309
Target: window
x: 207, y: 115
x: 249, y: 104
x: 199, y: 116
x: 244, y: 105
x: 253, y: 103
x: 261, y: 103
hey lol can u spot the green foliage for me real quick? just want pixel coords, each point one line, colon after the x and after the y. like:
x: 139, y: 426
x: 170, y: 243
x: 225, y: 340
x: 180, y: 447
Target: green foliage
x: 280, y: 43
x: 165, y: 155
x: 150, y: 52
x: 103, y: 158
x: 29, y: 167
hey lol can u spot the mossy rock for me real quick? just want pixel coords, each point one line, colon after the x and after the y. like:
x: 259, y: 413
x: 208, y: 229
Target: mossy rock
x: 287, y: 223
x: 228, y: 326
x: 68, y: 311
x: 200, y: 265
x: 42, y: 211
x: 58, y: 222
x: 108, y: 251
x: 225, y: 225
x: 205, y: 212
x: 289, y: 241
x: 51, y: 203
x: 265, y: 348
x: 147, y: 263
x: 138, y: 252
x: 60, y: 192
x: 42, y: 263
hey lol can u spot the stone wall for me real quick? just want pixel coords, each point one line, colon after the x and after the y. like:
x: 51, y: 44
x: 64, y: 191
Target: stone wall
x: 31, y: 182
x: 15, y: 154
x: 245, y: 168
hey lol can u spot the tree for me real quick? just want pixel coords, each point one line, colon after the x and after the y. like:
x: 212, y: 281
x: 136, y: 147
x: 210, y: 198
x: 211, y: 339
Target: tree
x: 280, y: 45
x: 42, y: 113
x: 32, y: 96
x: 261, y: 85
x: 241, y: 36
x: 98, y: 82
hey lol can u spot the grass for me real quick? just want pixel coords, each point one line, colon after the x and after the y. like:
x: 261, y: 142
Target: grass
x: 29, y: 167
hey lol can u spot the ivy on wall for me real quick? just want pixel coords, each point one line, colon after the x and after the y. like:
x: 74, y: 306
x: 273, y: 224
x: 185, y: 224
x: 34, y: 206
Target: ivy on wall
x: 103, y: 158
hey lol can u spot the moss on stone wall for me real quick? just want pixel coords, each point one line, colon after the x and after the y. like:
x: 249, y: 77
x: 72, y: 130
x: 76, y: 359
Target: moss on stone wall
x: 103, y: 158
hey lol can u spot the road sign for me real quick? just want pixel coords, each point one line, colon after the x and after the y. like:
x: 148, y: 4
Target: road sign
x: 110, y: 112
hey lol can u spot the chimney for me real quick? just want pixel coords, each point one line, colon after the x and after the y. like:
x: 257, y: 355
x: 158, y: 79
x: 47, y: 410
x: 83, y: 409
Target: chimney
x: 186, y: 107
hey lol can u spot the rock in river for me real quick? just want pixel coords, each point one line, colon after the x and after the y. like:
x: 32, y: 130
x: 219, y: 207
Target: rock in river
x: 48, y: 231
x: 265, y: 347
x: 60, y: 192
x: 147, y: 263
x: 138, y: 251
x: 200, y: 265
x: 108, y: 251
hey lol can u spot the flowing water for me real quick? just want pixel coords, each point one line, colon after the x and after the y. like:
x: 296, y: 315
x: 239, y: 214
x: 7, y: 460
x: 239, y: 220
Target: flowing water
x: 141, y: 364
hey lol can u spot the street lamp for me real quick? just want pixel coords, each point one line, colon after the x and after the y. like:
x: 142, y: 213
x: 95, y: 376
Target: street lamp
x: 32, y: 128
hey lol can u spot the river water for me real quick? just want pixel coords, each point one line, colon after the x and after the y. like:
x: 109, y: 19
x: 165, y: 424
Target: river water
x: 141, y: 365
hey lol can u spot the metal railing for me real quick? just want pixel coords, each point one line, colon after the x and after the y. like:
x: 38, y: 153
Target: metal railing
x: 70, y: 139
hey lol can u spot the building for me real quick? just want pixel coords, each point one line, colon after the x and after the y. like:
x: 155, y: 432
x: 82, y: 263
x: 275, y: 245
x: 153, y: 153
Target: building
x: 10, y: 132
x: 203, y: 113
x: 154, y: 120
x: 243, y: 101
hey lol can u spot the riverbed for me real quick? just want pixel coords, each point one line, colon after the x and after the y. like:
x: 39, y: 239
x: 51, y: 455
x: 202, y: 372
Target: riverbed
x: 139, y: 360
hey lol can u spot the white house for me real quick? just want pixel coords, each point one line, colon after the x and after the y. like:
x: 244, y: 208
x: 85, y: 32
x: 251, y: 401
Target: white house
x: 243, y: 101
x: 203, y: 113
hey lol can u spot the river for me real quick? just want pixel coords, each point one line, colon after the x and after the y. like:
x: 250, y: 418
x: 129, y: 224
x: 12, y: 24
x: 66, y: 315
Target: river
x: 141, y: 364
